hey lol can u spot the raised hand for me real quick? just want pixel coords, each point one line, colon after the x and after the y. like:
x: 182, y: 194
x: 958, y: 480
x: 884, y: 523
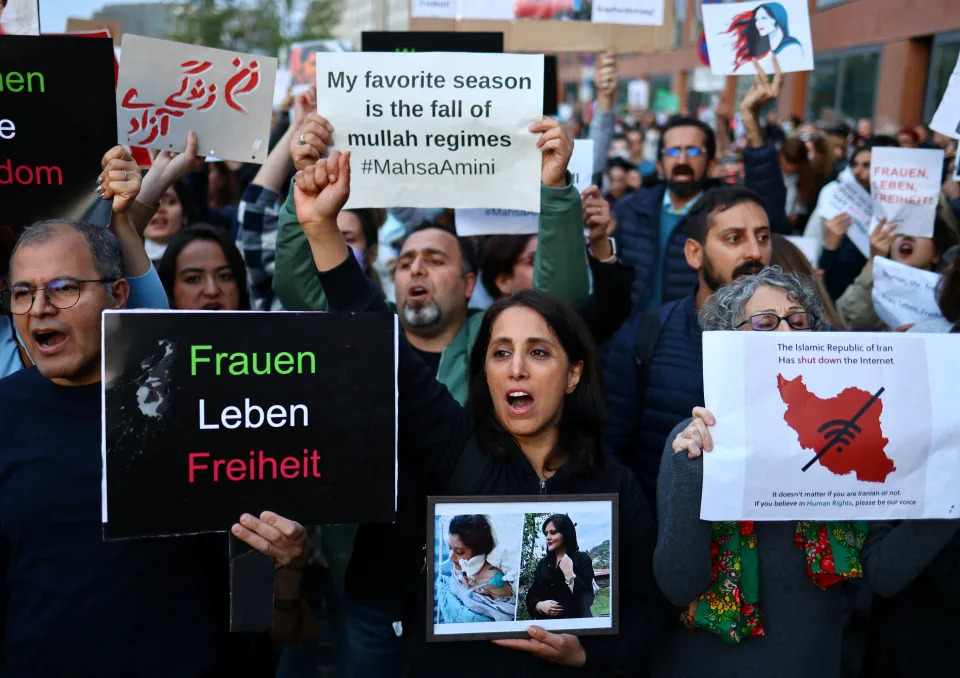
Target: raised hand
x: 761, y: 93
x: 559, y: 648
x: 836, y: 228
x: 276, y: 536
x: 881, y: 239
x: 120, y: 178
x: 172, y: 167
x: 303, y: 105
x: 695, y: 438
x: 556, y: 148
x: 321, y: 191
x: 599, y: 222
x: 311, y: 141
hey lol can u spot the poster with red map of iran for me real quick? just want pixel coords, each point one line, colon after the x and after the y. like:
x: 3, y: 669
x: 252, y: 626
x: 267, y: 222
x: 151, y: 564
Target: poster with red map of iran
x: 831, y: 426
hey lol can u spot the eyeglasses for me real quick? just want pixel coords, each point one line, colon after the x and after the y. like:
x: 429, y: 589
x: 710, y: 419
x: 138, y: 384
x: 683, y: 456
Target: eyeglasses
x: 767, y: 322
x: 691, y: 151
x: 61, y: 293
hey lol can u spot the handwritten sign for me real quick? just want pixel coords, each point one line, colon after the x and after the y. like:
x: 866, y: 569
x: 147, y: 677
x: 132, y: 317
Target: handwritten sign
x: 38, y: 179
x: 903, y: 294
x: 743, y: 32
x: 168, y: 88
x: 947, y: 118
x: 830, y: 426
x: 211, y: 414
x: 847, y: 195
x: 440, y: 127
x: 638, y: 12
x: 494, y: 221
x: 905, y: 186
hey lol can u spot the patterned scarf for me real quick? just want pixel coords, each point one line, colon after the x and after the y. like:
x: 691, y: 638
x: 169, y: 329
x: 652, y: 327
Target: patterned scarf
x: 730, y: 605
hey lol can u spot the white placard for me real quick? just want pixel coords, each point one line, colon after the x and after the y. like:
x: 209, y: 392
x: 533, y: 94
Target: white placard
x: 472, y: 222
x: 847, y: 195
x: 436, y: 126
x: 433, y: 9
x: 809, y: 246
x: 878, y: 406
x: 166, y: 89
x: 640, y: 12
x: 947, y: 118
x: 740, y: 33
x: 903, y: 294
x: 905, y: 186
x: 485, y: 9
x: 638, y: 94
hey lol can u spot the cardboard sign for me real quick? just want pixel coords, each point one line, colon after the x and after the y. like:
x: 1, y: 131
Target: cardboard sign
x: 831, y: 426
x: 493, y: 221
x: 440, y: 126
x: 905, y: 187
x: 463, y: 608
x: 208, y: 415
x: 38, y: 179
x: 947, y: 118
x: 847, y: 195
x: 168, y: 88
x: 743, y: 32
x: 903, y: 294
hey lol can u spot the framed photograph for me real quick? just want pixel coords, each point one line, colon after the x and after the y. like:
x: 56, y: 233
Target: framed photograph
x: 502, y: 564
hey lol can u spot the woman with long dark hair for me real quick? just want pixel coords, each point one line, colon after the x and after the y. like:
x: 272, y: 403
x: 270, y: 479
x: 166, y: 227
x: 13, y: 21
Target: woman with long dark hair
x: 764, y: 30
x: 202, y: 269
x: 531, y: 426
x: 562, y: 586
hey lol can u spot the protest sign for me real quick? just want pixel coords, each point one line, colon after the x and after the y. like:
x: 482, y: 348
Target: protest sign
x: 492, y: 221
x: 114, y: 26
x: 905, y: 186
x: 947, y: 118
x: 433, y: 9
x: 20, y: 17
x: 461, y: 119
x: 461, y: 610
x: 168, y: 88
x: 39, y: 179
x: 640, y: 12
x: 743, y: 32
x: 302, y: 61
x: 903, y: 294
x: 809, y: 246
x: 638, y: 94
x: 831, y: 426
x: 208, y: 415
x: 847, y: 195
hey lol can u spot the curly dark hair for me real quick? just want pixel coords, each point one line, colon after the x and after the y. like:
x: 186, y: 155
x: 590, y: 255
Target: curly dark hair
x: 475, y: 532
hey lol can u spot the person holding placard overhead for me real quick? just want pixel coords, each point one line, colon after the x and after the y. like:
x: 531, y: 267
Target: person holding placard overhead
x: 766, y: 594
x: 532, y: 426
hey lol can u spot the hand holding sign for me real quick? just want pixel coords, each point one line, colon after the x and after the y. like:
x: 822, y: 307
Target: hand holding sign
x: 836, y: 228
x: 761, y: 93
x: 881, y: 240
x: 557, y: 148
x: 120, y: 178
x: 560, y: 648
x: 282, y: 539
x: 696, y: 438
x: 311, y: 141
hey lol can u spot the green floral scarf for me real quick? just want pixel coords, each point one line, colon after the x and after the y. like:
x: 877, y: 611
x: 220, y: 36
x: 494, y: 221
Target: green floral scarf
x: 730, y: 606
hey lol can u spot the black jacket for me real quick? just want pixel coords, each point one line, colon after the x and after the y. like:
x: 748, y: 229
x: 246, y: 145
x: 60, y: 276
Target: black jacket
x: 437, y: 436
x: 550, y: 584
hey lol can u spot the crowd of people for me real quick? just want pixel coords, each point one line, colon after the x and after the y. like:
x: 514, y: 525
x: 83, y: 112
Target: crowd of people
x: 554, y: 363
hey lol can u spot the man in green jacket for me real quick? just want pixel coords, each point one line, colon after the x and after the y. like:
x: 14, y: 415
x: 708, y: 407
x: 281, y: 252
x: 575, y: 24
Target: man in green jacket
x: 434, y: 280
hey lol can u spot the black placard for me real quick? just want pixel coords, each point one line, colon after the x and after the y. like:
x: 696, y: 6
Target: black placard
x: 457, y: 41
x: 174, y: 466
x: 57, y: 92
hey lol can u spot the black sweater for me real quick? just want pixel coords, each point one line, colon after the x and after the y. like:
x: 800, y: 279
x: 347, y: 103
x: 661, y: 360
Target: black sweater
x: 437, y: 437
x: 550, y: 584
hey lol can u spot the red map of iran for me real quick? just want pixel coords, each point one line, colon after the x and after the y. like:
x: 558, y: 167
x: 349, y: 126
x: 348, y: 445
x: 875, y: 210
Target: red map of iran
x: 860, y: 451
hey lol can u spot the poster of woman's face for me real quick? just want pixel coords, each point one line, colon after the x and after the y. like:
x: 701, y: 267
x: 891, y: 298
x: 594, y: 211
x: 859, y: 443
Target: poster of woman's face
x: 742, y: 33
x: 19, y: 17
x: 302, y: 60
x: 501, y: 565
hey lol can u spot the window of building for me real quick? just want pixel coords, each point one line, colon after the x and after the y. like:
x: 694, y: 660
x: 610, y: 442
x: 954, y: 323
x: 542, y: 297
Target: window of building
x: 843, y: 86
x: 943, y: 59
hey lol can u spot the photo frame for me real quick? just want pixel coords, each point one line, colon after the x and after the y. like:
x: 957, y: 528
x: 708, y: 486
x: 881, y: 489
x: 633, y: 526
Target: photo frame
x: 516, y: 583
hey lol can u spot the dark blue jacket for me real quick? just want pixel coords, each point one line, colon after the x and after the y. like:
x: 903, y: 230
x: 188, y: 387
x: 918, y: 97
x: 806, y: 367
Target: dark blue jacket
x: 638, y: 227
x: 674, y: 388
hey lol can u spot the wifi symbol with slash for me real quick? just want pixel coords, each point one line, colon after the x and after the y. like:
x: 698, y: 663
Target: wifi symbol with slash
x: 840, y: 432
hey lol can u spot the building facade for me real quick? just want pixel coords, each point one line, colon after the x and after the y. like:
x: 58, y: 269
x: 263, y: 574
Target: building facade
x: 372, y: 15
x: 886, y: 60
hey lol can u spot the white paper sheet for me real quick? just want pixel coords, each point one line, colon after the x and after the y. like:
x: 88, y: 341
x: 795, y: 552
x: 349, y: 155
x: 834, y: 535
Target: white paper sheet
x: 903, y: 294
x: 947, y: 118
x: 905, y: 187
x: 847, y: 195
x: 638, y: 12
x: 781, y: 28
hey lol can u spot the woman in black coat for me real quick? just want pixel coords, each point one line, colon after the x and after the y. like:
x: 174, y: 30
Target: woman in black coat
x: 532, y: 426
x: 563, y: 583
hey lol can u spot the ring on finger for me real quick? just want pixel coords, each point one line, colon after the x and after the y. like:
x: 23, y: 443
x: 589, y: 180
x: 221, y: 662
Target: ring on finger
x: 302, y: 140
x: 124, y: 175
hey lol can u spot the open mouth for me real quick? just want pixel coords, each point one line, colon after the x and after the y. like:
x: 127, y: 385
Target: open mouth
x: 905, y: 249
x: 520, y: 402
x: 417, y: 292
x: 48, y: 340
x: 213, y: 307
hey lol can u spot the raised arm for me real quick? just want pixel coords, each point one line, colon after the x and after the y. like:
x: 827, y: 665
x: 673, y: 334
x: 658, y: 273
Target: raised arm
x: 168, y: 168
x: 560, y: 267
x: 432, y: 427
x: 601, y: 127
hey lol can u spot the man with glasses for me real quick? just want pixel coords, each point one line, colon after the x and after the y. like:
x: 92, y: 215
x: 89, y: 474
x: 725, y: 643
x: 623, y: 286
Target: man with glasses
x: 728, y: 237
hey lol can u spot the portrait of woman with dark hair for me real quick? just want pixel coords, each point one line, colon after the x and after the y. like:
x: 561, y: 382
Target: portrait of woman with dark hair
x: 469, y: 588
x: 763, y: 31
x: 562, y: 587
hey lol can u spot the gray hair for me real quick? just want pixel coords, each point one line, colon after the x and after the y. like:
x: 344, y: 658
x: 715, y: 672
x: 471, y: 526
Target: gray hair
x: 104, y: 245
x: 725, y: 308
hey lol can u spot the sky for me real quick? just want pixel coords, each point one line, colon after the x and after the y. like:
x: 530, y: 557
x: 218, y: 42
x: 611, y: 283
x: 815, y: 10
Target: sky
x: 54, y: 13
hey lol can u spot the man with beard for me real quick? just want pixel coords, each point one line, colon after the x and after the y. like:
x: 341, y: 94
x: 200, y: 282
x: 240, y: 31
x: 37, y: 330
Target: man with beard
x: 651, y: 222
x: 729, y: 236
